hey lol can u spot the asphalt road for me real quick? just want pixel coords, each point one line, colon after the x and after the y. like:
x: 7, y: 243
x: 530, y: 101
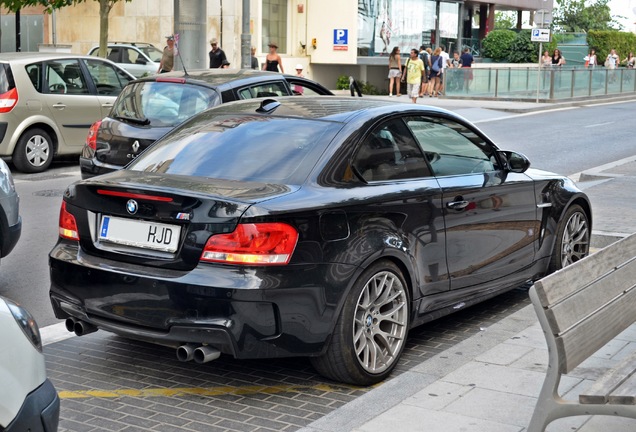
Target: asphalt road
x: 565, y: 141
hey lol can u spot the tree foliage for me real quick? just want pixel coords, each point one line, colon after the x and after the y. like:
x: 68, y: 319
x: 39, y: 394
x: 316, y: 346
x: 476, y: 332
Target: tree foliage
x: 505, y: 20
x: 104, y: 9
x: 583, y: 15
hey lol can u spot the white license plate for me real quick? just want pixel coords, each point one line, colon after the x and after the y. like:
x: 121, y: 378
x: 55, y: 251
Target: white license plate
x: 141, y: 234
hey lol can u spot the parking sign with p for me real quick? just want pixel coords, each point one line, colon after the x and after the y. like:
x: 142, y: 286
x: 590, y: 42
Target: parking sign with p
x: 340, y: 39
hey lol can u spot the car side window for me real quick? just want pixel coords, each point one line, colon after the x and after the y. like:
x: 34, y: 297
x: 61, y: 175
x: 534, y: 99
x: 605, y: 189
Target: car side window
x: 108, y: 80
x: 389, y: 152
x: 35, y: 75
x: 264, y: 90
x: 65, y: 77
x: 451, y: 148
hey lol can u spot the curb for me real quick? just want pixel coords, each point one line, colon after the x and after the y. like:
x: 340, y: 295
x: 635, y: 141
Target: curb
x: 394, y: 391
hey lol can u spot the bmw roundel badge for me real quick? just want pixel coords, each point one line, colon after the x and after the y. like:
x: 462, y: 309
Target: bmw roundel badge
x: 132, y: 206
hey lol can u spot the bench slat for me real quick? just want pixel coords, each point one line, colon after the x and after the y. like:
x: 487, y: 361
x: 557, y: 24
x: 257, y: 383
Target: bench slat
x: 580, y: 342
x: 626, y: 393
x: 572, y: 310
x: 606, y: 385
x: 561, y: 284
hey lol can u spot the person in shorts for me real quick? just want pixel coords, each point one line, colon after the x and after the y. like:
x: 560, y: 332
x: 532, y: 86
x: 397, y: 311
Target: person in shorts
x: 414, y: 72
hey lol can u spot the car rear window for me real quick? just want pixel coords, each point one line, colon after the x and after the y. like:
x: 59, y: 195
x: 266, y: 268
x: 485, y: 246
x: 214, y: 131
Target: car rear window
x: 244, y: 148
x: 163, y: 104
x: 6, y: 78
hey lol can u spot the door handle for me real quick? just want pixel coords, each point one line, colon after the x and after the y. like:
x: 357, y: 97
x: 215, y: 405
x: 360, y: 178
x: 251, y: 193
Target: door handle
x: 107, y: 105
x: 59, y: 106
x: 457, y: 205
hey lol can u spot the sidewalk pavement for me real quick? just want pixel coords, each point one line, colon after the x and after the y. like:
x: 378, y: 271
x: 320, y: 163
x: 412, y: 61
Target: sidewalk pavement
x: 490, y: 382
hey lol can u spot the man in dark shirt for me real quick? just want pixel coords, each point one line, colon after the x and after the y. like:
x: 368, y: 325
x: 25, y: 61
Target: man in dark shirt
x: 217, y: 56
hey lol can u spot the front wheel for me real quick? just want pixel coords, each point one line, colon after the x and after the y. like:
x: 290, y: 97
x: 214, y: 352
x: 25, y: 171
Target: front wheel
x: 371, y: 331
x: 34, y: 151
x: 573, y: 239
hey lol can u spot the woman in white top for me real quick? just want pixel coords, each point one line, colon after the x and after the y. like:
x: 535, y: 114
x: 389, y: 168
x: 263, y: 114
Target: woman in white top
x: 612, y: 60
x: 591, y: 59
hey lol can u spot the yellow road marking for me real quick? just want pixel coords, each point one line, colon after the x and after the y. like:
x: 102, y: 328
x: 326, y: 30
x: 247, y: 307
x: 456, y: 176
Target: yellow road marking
x: 203, y: 391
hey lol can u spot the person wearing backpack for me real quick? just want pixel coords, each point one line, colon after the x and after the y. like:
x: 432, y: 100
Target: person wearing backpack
x: 426, y: 59
x: 436, y: 72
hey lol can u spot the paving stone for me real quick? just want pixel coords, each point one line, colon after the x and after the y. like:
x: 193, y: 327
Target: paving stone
x: 499, y: 378
x: 414, y: 419
x: 500, y: 407
x: 438, y: 395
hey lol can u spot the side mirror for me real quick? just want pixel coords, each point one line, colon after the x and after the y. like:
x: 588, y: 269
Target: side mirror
x: 516, y: 162
x: 141, y: 61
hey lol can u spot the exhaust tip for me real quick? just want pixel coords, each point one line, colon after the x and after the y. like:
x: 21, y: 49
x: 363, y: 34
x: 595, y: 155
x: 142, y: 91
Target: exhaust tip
x: 206, y: 353
x: 82, y: 328
x: 70, y: 324
x: 185, y: 352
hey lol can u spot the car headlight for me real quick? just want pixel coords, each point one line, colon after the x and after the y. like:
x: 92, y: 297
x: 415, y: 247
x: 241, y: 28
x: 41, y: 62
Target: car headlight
x: 27, y: 323
x: 6, y: 179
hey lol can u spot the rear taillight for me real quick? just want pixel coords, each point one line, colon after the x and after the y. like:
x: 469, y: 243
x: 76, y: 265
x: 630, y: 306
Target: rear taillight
x: 253, y: 244
x: 68, y: 226
x: 91, y: 138
x: 8, y: 100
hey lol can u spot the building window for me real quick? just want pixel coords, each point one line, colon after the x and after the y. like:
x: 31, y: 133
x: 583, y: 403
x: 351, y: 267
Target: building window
x: 275, y: 24
x: 407, y: 24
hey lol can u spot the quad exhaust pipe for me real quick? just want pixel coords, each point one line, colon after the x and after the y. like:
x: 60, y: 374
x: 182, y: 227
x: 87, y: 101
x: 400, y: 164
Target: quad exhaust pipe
x: 80, y: 328
x: 200, y: 354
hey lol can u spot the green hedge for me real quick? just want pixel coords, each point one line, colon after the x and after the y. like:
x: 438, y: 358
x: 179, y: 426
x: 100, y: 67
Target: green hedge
x: 523, y: 50
x: 604, y: 40
x: 496, y: 45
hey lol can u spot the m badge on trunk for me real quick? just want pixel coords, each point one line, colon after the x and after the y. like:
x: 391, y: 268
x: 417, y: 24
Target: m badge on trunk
x: 136, y: 146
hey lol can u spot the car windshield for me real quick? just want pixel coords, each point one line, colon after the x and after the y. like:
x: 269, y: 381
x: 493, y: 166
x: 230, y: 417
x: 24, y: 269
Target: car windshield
x: 244, y: 148
x: 162, y: 104
x: 152, y: 52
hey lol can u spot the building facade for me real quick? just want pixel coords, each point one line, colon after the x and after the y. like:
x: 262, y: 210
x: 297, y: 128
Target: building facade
x: 328, y: 37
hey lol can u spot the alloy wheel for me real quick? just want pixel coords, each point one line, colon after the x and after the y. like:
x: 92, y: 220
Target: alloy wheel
x: 575, y: 244
x: 380, y: 322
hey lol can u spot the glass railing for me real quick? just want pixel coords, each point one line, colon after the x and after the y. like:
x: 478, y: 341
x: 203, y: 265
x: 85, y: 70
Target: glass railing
x: 546, y: 85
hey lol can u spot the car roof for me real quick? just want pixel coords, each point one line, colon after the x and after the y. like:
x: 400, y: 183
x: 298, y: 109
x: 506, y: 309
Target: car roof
x: 330, y: 108
x: 27, y: 57
x: 127, y: 44
x: 217, y: 77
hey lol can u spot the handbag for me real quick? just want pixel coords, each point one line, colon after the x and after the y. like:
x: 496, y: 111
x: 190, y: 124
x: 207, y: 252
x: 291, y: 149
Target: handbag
x: 607, y: 63
x: 436, y: 66
x: 403, y: 79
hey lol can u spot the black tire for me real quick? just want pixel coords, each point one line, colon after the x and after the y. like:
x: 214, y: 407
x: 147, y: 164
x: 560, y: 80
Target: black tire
x: 572, y: 241
x: 34, y: 151
x: 341, y: 362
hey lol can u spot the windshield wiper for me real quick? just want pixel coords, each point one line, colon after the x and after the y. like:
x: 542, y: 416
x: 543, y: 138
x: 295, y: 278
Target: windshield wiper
x: 142, y: 121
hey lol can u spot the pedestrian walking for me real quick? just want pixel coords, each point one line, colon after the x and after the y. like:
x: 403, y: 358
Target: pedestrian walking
x: 273, y: 61
x: 436, y: 72
x: 557, y: 62
x: 590, y: 59
x: 414, y: 71
x: 612, y: 60
x: 253, y: 59
x: 467, y: 60
x: 216, y: 54
x: 455, y: 81
x: 426, y: 59
x: 298, y: 89
x: 445, y: 64
x: 167, y: 58
x: 630, y: 61
x: 395, y: 71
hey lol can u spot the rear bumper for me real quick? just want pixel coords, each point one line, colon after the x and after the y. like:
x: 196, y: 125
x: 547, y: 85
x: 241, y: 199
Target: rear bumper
x: 247, y: 313
x: 40, y: 411
x: 90, y: 167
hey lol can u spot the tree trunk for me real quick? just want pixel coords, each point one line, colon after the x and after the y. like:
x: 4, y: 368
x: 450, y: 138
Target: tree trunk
x: 104, y: 10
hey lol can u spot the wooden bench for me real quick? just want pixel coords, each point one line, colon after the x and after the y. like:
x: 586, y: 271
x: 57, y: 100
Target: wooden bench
x: 581, y: 308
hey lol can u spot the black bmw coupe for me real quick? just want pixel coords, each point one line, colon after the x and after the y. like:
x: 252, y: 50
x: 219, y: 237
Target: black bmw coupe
x: 318, y: 227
